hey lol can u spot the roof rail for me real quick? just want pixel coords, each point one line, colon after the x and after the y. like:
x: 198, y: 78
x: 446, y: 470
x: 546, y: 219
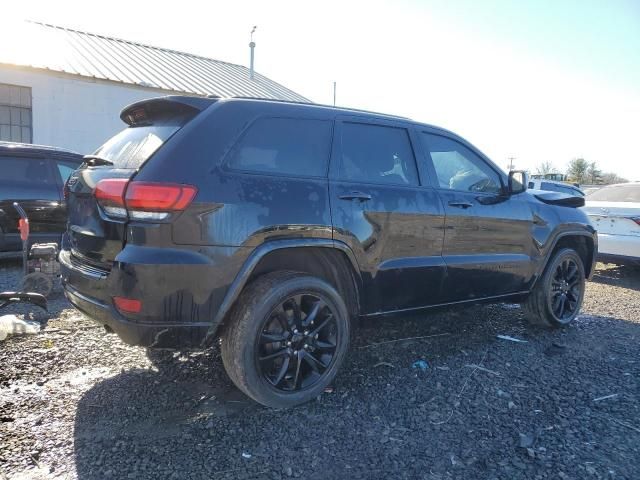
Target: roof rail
x: 347, y: 109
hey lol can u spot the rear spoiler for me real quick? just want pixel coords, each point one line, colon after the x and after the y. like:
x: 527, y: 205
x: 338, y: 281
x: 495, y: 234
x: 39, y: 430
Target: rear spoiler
x: 139, y: 112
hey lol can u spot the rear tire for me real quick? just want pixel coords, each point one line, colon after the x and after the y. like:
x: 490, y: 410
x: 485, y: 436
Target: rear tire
x: 556, y: 299
x: 285, y: 339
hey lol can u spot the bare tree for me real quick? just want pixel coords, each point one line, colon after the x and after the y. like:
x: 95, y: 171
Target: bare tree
x: 610, y: 177
x: 545, y: 167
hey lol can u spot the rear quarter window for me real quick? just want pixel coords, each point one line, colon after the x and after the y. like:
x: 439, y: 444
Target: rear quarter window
x: 284, y: 146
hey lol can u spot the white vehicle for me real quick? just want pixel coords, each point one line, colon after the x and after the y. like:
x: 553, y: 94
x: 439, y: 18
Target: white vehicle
x: 614, y: 211
x: 553, y: 186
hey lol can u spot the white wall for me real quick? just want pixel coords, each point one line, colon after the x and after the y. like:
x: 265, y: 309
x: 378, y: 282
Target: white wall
x: 74, y: 112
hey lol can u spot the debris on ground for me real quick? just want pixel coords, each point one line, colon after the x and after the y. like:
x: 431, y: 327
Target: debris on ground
x: 383, y: 364
x: 526, y: 440
x: 420, y: 364
x: 606, y: 397
x: 407, y: 339
x: 12, y: 325
x: 482, y: 369
x: 511, y: 339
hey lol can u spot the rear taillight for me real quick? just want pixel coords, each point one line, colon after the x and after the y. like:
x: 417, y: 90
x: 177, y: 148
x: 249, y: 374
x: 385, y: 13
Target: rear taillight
x: 154, y: 201
x: 110, y: 195
x: 143, y: 200
x: 636, y: 219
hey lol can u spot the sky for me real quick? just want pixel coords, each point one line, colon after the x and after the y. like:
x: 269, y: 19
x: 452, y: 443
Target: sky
x: 536, y: 80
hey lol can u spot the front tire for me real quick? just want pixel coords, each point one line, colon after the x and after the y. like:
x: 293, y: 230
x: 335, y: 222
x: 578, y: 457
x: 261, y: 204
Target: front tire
x: 556, y: 299
x: 285, y: 339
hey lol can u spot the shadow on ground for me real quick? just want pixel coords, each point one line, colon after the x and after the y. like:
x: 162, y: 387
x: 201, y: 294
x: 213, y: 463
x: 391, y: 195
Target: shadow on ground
x: 618, y: 276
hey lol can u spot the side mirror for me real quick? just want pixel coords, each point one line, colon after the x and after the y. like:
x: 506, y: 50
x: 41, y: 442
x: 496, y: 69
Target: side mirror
x: 518, y: 181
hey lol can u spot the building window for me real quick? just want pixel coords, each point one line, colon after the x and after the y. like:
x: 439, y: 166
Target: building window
x: 15, y: 113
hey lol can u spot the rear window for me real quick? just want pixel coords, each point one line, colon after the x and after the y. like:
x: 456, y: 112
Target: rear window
x: 284, y: 146
x: 134, y: 145
x: 25, y: 170
x: 617, y: 193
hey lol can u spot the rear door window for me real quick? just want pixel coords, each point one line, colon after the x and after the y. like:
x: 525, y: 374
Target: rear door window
x: 377, y: 154
x: 284, y: 146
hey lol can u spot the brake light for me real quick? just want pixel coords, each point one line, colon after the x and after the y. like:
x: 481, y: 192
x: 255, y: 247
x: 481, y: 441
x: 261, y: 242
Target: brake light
x: 159, y: 196
x: 636, y: 219
x: 143, y: 200
x: 127, y: 305
x: 110, y: 195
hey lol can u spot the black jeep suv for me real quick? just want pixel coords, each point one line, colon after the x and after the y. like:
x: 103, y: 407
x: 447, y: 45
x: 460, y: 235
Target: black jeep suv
x: 272, y: 225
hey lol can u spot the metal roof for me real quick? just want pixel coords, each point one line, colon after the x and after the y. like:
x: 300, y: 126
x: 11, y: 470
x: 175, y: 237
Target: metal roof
x: 40, y: 45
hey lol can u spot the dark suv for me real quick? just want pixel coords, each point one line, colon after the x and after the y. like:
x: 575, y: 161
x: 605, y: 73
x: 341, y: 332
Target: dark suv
x: 33, y: 175
x: 272, y: 225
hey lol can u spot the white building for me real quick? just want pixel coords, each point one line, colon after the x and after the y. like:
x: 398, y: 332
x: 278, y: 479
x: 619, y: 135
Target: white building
x: 66, y: 88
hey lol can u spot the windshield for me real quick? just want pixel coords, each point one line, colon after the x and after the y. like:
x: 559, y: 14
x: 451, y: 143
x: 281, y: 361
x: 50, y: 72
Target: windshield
x: 134, y: 145
x: 617, y: 193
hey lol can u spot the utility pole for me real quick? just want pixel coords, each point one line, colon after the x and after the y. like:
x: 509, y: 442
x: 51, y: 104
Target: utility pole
x: 511, y: 159
x: 334, y: 94
x: 252, y: 46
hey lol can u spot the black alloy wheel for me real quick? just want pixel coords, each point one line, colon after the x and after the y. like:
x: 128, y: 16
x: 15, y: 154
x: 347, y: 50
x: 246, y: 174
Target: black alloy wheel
x: 297, y: 343
x: 566, y: 290
x: 556, y: 297
x: 286, y: 338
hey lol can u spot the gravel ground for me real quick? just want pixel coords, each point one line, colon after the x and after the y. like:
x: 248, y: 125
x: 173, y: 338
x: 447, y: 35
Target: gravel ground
x: 76, y: 403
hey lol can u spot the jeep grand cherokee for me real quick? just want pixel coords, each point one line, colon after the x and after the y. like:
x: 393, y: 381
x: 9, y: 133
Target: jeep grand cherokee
x: 272, y: 225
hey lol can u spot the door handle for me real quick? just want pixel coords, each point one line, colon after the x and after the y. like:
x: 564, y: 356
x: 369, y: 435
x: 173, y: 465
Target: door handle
x: 363, y: 197
x: 463, y: 205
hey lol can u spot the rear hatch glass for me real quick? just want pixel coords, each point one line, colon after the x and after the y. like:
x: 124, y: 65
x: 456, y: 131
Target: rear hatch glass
x: 134, y: 145
x: 95, y: 237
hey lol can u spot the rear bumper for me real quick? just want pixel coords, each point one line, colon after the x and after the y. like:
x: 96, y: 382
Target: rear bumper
x: 180, y: 295
x: 621, y: 247
x: 154, y: 336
